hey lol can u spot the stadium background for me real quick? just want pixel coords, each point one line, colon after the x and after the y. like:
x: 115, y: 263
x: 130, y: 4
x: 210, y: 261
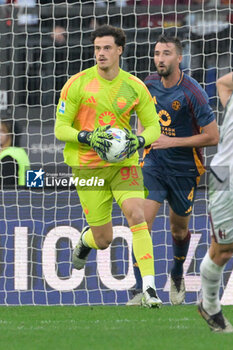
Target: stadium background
x: 39, y: 227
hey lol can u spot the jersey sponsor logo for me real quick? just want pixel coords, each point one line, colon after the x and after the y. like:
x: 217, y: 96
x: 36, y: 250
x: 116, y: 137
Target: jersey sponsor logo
x: 107, y: 118
x: 164, y: 117
x: 168, y: 131
x: 62, y: 107
x: 121, y: 102
x: 91, y: 100
x: 176, y: 105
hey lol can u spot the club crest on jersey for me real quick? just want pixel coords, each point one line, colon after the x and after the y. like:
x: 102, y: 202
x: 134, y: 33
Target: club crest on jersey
x: 176, y: 105
x: 121, y: 102
x: 62, y: 107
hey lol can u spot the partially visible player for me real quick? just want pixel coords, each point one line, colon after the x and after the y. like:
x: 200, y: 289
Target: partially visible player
x: 92, y: 101
x: 14, y: 160
x: 173, y: 165
x: 221, y: 214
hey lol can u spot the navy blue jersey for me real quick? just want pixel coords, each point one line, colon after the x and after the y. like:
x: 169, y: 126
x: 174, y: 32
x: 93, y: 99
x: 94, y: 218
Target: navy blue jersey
x: 183, y: 110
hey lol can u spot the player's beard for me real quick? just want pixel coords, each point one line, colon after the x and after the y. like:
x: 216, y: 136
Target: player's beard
x: 166, y: 72
x: 105, y: 67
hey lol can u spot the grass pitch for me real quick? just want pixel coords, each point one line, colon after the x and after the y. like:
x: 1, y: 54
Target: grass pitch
x: 109, y: 328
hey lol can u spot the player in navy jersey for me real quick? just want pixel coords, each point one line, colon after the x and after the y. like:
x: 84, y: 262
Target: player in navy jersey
x: 173, y: 164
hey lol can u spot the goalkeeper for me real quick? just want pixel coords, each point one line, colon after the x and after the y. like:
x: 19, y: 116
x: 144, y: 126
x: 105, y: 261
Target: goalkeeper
x: 91, y: 101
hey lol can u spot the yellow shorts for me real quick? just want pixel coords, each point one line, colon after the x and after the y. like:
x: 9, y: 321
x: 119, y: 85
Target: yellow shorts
x: 97, y: 188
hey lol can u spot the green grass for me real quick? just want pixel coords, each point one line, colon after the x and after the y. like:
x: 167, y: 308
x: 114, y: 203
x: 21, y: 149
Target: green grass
x: 109, y: 328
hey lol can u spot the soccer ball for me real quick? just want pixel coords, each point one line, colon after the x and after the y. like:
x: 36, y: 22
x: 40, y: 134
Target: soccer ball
x: 117, y: 151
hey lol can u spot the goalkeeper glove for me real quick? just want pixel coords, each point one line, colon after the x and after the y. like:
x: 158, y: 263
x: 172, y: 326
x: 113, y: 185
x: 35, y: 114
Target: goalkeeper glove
x: 134, y: 142
x: 97, y: 139
x: 85, y: 137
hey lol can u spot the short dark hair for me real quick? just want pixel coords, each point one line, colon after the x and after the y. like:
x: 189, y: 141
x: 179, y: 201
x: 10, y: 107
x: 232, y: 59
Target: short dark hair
x: 107, y: 30
x: 171, y: 39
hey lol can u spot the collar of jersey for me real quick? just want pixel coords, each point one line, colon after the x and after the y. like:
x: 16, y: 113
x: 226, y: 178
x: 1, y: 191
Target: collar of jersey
x: 106, y: 81
x: 177, y: 84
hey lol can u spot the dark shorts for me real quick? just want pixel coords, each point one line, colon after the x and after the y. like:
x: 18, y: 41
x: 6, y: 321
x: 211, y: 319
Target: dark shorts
x: 177, y: 190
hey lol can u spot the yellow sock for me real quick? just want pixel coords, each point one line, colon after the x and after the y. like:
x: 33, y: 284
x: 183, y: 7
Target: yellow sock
x: 143, y: 249
x: 88, y: 239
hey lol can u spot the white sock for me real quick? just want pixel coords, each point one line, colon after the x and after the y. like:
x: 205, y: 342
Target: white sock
x: 147, y: 282
x: 210, y: 281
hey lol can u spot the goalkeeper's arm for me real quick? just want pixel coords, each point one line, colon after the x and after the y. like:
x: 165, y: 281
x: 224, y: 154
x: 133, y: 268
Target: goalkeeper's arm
x: 64, y: 130
x: 97, y: 139
x: 150, y: 133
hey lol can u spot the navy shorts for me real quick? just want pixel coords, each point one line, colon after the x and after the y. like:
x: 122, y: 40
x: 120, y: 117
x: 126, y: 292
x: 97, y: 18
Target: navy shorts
x: 177, y: 190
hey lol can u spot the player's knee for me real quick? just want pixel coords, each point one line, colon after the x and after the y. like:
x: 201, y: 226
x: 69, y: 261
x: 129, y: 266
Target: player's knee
x: 179, y: 235
x: 135, y: 216
x: 178, y: 232
x: 103, y: 243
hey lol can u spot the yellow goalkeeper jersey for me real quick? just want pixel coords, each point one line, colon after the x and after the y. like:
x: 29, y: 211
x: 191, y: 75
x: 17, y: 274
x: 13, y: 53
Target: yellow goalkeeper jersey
x: 88, y: 101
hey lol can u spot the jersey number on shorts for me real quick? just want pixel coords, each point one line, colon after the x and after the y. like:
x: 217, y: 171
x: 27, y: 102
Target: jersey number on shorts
x: 128, y: 172
x: 190, y: 196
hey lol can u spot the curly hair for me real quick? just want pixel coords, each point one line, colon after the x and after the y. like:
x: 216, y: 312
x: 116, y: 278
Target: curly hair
x: 107, y: 30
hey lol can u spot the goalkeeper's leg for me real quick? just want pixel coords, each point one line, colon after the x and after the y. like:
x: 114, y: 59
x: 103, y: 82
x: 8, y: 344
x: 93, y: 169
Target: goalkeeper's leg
x: 133, y: 209
x: 93, y: 237
x: 98, y: 235
x: 151, y: 210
